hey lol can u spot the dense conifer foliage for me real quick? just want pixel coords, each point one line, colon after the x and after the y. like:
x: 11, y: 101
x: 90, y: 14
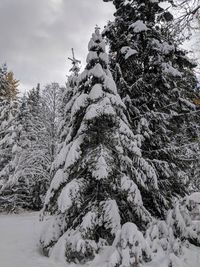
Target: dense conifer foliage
x: 28, y: 144
x: 112, y: 158
x: 156, y: 81
x: 94, y: 189
x: 7, y: 136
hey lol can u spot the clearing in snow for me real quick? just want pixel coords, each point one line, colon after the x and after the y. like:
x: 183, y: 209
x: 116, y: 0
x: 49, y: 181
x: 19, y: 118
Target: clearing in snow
x: 19, y: 235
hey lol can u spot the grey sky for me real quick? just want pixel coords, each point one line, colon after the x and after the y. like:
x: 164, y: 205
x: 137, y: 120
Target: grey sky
x: 37, y: 35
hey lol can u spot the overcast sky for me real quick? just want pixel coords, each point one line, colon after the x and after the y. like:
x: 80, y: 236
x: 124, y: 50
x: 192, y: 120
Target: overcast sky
x: 37, y: 36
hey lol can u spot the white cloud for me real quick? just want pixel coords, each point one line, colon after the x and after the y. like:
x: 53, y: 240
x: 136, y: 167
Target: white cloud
x: 37, y: 36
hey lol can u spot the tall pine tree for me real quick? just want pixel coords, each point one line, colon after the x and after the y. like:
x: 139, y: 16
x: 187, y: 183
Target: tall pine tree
x: 94, y: 193
x: 67, y: 98
x: 156, y: 81
x: 7, y: 134
x: 32, y: 153
x: 37, y: 156
x: 15, y: 193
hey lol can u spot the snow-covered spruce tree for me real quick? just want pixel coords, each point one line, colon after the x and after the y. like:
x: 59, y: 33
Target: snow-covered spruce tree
x: 67, y: 100
x: 36, y: 160
x: 184, y: 217
x: 7, y: 136
x: 196, y: 177
x: 3, y: 82
x: 94, y: 197
x: 15, y: 193
x: 6, y: 139
x: 156, y: 81
x: 28, y: 178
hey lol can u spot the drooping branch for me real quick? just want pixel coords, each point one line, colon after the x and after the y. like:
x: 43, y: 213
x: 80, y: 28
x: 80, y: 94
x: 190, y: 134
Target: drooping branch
x: 188, y: 14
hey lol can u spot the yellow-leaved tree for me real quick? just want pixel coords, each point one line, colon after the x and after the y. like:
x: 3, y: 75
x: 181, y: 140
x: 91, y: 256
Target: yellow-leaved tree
x: 13, y: 85
x: 8, y: 84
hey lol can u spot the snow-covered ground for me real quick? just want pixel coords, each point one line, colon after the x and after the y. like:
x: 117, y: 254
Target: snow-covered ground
x: 18, y: 242
x: 19, y: 236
